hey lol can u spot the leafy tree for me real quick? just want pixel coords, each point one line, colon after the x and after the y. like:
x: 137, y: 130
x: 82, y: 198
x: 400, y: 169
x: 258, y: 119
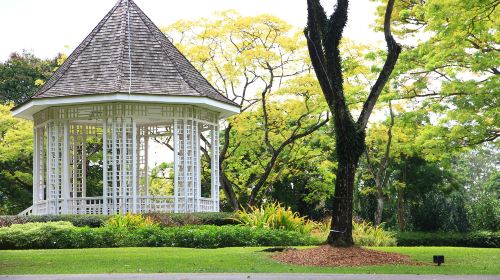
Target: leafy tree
x: 478, y: 171
x: 379, y: 171
x: 267, y: 136
x: 248, y: 59
x: 447, y: 80
x: 22, y: 74
x: 304, y: 178
x: 161, y: 179
x: 16, y: 149
x: 323, y: 39
x: 451, y: 70
x: 429, y: 198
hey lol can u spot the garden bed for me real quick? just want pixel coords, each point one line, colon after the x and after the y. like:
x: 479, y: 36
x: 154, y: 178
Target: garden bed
x: 332, y: 256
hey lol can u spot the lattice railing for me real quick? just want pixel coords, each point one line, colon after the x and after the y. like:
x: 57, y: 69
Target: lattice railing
x: 95, y: 205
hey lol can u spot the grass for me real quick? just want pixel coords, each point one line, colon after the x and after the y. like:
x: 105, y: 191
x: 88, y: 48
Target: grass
x: 238, y: 259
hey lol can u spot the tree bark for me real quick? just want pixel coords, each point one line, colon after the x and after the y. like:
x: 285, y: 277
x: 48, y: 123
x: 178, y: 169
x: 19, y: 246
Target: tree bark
x: 341, y: 226
x: 380, y: 175
x: 401, y: 211
x: 228, y: 189
x: 379, y: 210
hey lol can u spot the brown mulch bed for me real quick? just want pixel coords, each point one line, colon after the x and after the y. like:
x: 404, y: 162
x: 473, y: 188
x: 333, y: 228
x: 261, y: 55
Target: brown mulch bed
x: 332, y: 256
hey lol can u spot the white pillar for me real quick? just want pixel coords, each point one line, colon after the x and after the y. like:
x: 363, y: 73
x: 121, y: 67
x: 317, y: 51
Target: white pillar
x: 123, y: 167
x: 65, y: 168
x: 36, y: 169
x: 134, y: 166
x: 84, y: 160
x: 146, y: 159
x: 115, y: 163
x: 213, y: 169
x: 48, y: 186
x: 214, y: 135
x: 197, y: 160
x: 176, y: 166
x: 105, y: 167
x: 185, y: 165
x: 57, y: 175
x: 217, y: 171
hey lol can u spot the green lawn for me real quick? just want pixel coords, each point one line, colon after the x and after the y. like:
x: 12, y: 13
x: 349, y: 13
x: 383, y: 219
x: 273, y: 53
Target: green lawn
x: 133, y: 260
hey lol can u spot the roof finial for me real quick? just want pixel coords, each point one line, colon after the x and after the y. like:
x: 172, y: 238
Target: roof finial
x: 129, y: 51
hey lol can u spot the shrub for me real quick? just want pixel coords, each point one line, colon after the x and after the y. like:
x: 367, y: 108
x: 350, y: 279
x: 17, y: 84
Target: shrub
x: 76, y: 220
x: 37, y: 235
x: 484, y: 214
x: 65, y: 235
x: 482, y: 239
x: 163, y: 219
x: 129, y: 221
x: 365, y: 234
x: 274, y: 216
x: 183, y: 219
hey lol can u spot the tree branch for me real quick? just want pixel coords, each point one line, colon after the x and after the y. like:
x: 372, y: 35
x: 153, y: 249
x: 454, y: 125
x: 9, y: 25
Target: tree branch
x: 394, y: 49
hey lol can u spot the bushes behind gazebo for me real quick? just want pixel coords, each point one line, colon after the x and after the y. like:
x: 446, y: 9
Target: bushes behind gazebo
x: 93, y: 221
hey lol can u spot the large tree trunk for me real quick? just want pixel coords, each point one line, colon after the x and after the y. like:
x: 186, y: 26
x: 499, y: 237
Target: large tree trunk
x: 341, y: 227
x: 350, y: 144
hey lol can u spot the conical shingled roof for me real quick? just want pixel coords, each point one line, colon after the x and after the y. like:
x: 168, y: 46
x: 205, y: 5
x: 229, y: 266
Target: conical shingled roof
x: 100, y: 64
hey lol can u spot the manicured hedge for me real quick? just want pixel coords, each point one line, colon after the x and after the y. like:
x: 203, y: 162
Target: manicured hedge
x: 76, y: 220
x: 481, y: 239
x: 183, y: 219
x: 163, y: 219
x: 65, y: 235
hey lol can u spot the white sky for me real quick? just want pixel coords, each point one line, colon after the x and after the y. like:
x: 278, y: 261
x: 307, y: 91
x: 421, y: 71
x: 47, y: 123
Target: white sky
x: 47, y: 27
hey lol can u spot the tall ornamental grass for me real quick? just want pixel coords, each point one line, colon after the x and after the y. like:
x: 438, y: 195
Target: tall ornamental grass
x: 129, y: 221
x: 365, y: 234
x: 274, y: 216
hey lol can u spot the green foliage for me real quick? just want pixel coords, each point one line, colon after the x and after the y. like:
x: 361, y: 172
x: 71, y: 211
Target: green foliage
x: 129, y: 221
x: 439, y: 211
x: 480, y: 239
x: 306, y: 176
x: 161, y: 179
x: 184, y: 219
x: 252, y: 60
x: 365, y: 234
x: 452, y: 60
x: 484, y: 213
x: 162, y: 219
x: 37, y: 235
x: 76, y: 220
x: 275, y: 216
x: 65, y: 235
x: 22, y: 74
x: 16, y: 149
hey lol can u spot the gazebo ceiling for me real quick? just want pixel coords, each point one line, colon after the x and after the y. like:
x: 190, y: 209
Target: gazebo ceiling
x: 127, y: 58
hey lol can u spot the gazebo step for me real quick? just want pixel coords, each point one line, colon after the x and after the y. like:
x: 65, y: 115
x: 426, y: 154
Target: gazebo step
x: 26, y: 212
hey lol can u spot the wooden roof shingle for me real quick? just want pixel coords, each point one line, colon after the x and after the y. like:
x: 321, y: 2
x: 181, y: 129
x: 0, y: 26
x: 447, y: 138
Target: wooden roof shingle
x: 101, y: 64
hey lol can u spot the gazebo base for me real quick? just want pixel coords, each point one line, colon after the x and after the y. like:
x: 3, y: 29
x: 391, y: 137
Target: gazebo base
x: 144, y: 204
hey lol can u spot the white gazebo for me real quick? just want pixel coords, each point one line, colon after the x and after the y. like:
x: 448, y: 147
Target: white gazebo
x: 122, y: 91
